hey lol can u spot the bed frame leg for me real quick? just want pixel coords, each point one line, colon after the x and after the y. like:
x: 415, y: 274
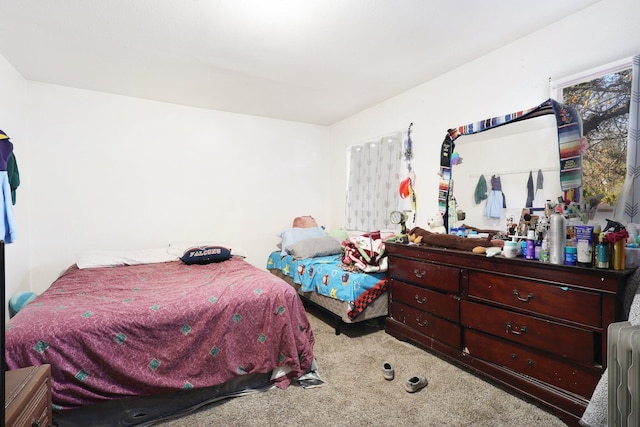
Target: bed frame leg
x: 337, y: 324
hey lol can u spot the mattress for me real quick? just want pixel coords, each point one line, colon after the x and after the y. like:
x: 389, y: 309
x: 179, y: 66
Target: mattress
x: 376, y: 308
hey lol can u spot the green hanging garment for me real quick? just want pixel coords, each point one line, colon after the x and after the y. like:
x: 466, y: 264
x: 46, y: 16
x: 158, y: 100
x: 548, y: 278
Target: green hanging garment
x: 481, y: 190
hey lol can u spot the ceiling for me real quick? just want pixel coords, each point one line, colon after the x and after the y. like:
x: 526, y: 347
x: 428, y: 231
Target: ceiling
x: 312, y: 61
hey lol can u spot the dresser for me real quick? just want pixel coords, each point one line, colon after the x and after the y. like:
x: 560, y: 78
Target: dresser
x: 27, y: 397
x: 538, y: 329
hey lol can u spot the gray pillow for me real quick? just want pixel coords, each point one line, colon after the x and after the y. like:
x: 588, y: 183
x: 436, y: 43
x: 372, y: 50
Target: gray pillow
x: 312, y: 247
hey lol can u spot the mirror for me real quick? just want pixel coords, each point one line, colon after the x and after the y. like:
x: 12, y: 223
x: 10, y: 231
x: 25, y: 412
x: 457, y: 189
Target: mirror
x: 510, y: 151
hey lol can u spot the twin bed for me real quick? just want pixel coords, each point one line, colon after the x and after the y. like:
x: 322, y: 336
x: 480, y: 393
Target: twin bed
x: 350, y: 296
x: 342, y: 274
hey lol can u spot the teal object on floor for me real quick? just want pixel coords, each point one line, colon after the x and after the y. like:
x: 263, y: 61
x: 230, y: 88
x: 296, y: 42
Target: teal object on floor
x: 19, y: 300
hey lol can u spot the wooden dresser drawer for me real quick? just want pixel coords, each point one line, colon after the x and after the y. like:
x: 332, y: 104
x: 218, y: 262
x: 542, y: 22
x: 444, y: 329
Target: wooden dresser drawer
x: 562, y: 340
x: 427, y: 324
x: 28, y: 397
x: 443, y: 305
x: 539, y: 329
x: 557, y: 301
x: 446, y: 279
x: 574, y: 378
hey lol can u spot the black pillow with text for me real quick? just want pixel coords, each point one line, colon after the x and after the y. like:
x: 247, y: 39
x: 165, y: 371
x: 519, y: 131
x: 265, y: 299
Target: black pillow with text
x: 206, y: 255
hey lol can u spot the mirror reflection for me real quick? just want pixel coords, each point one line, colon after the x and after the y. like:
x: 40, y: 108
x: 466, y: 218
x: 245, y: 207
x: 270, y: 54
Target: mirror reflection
x: 498, y: 153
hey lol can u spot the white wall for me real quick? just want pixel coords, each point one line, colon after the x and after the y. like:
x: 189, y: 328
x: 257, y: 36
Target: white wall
x: 110, y: 172
x: 107, y: 172
x: 510, y: 79
x: 13, y: 123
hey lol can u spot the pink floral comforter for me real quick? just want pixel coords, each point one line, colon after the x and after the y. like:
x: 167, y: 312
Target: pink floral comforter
x: 116, y: 332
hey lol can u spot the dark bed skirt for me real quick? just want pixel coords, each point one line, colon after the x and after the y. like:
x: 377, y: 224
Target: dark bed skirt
x: 148, y: 410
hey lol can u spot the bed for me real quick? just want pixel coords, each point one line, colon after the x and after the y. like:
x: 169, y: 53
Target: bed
x: 349, y: 295
x: 162, y: 327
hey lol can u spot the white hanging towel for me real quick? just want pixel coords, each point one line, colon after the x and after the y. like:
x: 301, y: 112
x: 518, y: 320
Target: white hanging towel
x: 539, y: 200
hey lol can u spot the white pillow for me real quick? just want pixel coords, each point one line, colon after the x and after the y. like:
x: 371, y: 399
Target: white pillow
x: 114, y: 258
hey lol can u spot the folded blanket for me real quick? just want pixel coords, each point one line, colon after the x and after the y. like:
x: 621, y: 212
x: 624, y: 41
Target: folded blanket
x: 366, y: 252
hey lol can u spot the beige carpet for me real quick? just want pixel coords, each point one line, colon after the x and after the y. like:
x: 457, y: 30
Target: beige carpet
x: 356, y: 394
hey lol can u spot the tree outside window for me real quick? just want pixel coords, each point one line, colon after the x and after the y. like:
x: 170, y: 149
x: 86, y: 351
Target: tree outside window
x: 602, y: 99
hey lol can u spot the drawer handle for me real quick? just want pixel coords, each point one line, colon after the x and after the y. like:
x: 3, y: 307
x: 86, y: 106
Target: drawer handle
x: 523, y: 329
x: 35, y: 423
x: 530, y: 362
x: 425, y: 323
x: 421, y: 301
x: 419, y: 274
x: 517, y: 294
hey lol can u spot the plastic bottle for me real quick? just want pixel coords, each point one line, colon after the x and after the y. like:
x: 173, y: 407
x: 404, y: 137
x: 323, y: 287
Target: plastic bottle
x: 544, y: 250
x: 597, y: 229
x: 602, y: 252
x: 570, y: 255
x: 557, y: 238
x: 530, y: 247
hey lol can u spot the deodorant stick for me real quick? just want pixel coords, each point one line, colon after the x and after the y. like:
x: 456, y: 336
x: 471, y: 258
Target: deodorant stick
x: 557, y: 238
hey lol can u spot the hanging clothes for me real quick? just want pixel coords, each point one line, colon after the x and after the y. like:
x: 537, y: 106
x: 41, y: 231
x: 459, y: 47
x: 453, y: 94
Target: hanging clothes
x: 14, y: 176
x: 481, y: 190
x: 530, y: 196
x: 496, y: 201
x: 444, y: 183
x: 539, y: 200
x: 7, y: 223
x: 6, y: 148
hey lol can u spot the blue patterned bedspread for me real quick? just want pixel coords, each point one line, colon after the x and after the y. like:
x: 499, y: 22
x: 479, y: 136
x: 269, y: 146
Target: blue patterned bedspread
x: 325, y: 276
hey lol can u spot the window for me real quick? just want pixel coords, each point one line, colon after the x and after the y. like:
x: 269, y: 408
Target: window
x: 602, y: 98
x: 372, y: 183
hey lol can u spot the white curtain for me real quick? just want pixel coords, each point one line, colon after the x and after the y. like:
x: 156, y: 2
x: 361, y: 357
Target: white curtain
x: 627, y: 207
x: 373, y: 183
